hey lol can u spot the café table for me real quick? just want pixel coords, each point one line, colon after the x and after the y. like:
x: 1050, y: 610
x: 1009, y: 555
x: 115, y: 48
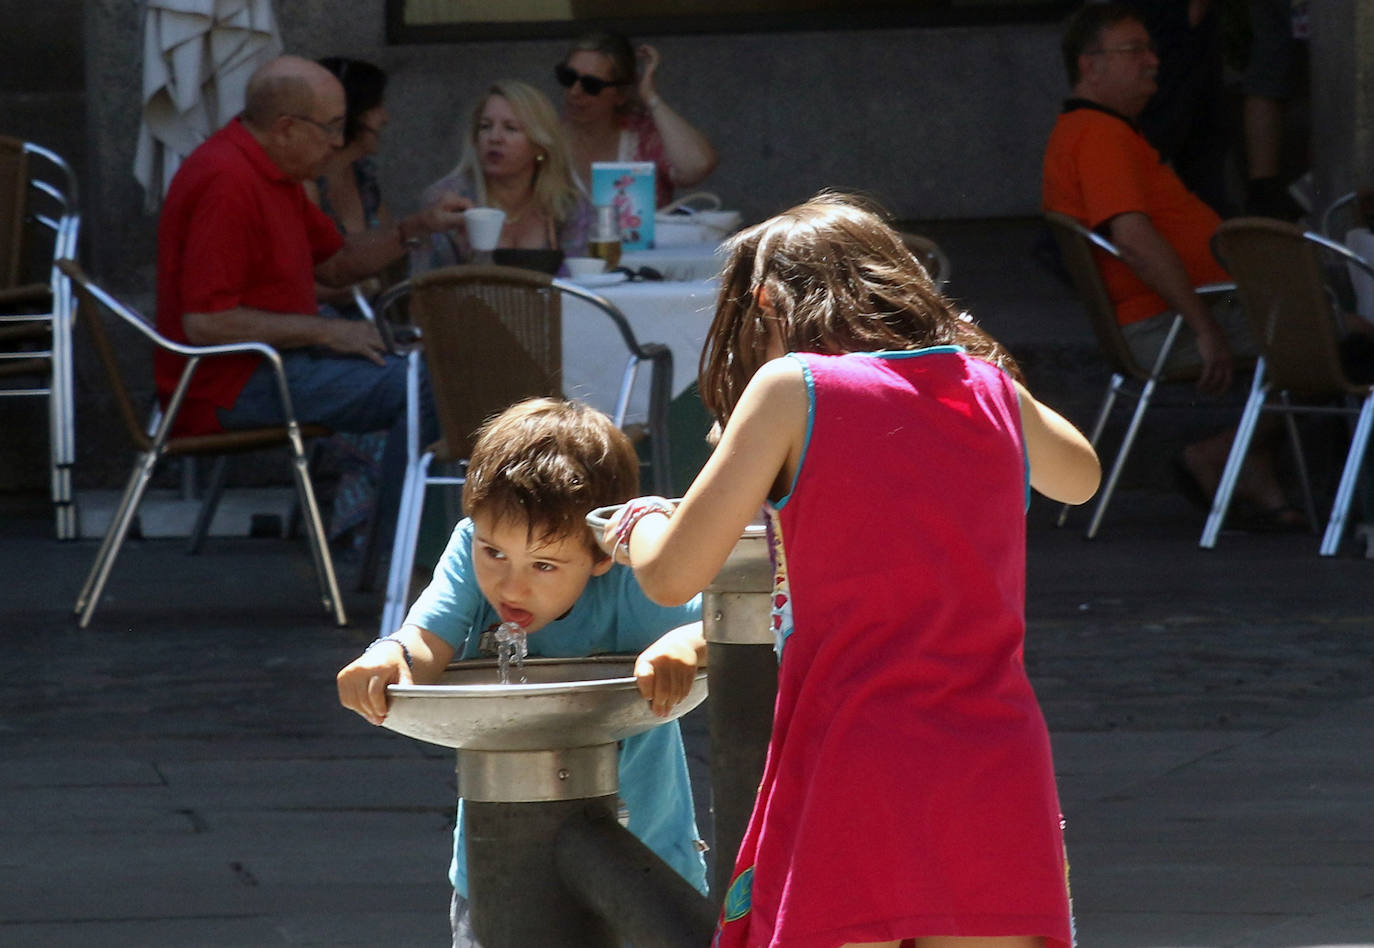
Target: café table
x: 676, y: 313
x: 681, y: 262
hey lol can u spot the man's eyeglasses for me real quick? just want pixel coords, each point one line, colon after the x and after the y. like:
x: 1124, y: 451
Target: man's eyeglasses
x: 1130, y: 49
x: 592, y: 85
x: 332, y: 130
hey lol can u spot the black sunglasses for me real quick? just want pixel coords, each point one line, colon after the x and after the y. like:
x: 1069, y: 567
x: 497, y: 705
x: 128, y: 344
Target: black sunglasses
x: 592, y: 85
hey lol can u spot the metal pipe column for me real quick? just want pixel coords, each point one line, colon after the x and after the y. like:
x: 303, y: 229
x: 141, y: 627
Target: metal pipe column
x: 744, y: 683
x: 513, y: 804
x: 608, y: 868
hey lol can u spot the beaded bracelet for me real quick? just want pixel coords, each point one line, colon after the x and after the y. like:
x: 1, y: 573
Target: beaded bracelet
x: 410, y: 662
x: 635, y: 511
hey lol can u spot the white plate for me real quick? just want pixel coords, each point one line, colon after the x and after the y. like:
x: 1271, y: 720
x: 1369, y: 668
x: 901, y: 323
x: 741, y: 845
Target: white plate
x: 600, y: 279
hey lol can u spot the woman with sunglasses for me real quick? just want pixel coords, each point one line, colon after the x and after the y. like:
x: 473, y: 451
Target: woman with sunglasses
x: 515, y: 158
x: 612, y: 112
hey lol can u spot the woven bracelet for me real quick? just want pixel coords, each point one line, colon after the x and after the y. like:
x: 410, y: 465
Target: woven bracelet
x: 405, y: 652
x: 635, y: 511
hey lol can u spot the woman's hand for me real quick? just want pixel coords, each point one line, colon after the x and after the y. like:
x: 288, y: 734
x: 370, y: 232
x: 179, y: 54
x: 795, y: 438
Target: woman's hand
x: 690, y: 154
x: 445, y: 214
x: 648, y: 64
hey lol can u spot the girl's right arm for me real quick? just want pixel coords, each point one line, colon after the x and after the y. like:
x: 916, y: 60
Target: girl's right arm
x: 1063, y: 464
x: 676, y: 558
x: 362, y: 682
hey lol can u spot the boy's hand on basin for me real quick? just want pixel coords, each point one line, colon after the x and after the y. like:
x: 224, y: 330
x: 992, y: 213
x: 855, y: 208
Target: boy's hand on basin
x: 363, y: 683
x: 666, y: 670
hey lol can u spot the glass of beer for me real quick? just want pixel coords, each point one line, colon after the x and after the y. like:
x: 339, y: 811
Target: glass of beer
x: 604, y: 241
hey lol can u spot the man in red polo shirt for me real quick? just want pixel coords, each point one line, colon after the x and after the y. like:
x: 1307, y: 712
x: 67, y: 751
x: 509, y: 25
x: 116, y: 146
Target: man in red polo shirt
x: 240, y: 249
x: 1100, y: 170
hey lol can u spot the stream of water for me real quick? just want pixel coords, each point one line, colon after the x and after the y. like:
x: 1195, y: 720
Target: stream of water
x: 511, y: 647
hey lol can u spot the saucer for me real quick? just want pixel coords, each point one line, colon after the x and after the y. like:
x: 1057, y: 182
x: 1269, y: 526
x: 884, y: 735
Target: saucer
x: 600, y: 279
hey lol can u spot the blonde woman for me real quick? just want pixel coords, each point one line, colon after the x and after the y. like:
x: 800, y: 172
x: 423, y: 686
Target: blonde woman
x: 514, y: 158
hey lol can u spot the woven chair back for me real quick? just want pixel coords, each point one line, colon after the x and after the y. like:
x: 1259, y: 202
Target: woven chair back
x: 1279, y: 279
x: 492, y: 336
x: 88, y: 312
x: 1080, y: 256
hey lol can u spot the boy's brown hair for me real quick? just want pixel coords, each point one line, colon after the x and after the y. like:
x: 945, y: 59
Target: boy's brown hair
x: 550, y: 462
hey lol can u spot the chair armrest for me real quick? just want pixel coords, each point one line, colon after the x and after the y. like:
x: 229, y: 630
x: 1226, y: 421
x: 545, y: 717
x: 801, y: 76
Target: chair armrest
x: 610, y: 309
x: 1329, y: 215
x: 1340, y: 250
x: 660, y: 397
x: 1214, y: 289
x: 380, y: 314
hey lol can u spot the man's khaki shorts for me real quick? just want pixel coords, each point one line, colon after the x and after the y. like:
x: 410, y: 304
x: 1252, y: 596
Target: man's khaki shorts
x: 1145, y: 338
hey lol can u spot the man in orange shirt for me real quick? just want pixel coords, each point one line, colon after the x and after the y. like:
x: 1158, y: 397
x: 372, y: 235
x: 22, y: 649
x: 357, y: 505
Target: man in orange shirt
x: 1100, y: 170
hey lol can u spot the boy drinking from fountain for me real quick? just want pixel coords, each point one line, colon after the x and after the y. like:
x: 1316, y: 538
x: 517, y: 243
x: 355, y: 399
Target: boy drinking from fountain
x: 525, y: 557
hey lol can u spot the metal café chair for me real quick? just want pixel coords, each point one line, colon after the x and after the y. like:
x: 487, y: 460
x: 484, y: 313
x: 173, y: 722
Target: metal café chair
x: 491, y: 336
x: 153, y: 447
x: 1079, y: 247
x: 1284, y: 289
x: 930, y: 256
x: 39, y: 224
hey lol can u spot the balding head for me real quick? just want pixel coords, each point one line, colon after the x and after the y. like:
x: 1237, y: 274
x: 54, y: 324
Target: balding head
x: 295, y: 109
x: 288, y: 85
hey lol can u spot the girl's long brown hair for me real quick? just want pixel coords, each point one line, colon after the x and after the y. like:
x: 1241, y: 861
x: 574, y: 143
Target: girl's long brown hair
x: 837, y: 279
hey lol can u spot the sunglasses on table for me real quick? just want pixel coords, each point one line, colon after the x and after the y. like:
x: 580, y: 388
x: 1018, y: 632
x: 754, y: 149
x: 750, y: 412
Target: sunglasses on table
x: 592, y: 85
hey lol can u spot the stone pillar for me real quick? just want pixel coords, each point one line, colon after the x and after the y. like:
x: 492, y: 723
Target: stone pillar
x: 1342, y: 59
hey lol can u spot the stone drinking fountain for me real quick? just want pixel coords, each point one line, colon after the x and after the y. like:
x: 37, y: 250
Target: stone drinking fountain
x: 548, y: 862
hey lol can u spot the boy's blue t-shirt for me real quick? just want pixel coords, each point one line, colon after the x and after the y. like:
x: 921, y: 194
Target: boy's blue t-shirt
x: 611, y: 616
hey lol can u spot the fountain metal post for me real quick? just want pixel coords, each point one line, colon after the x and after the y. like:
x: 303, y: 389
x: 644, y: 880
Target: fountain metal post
x: 548, y: 863
x: 736, y: 617
x: 735, y: 610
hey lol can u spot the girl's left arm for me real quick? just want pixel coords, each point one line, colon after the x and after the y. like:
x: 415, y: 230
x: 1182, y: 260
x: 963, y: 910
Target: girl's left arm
x: 1063, y: 464
x: 676, y: 558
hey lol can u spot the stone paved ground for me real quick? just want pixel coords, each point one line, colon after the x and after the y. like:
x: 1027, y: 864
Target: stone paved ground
x: 179, y: 774
x: 1256, y: 633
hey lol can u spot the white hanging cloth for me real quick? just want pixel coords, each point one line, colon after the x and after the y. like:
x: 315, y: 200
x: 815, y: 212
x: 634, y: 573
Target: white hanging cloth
x: 197, y: 57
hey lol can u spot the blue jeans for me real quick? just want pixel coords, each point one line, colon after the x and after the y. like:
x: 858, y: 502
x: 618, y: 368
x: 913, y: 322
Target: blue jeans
x: 346, y: 393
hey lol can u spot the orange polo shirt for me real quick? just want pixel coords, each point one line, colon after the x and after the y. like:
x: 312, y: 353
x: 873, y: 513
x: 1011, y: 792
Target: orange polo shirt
x: 1098, y: 165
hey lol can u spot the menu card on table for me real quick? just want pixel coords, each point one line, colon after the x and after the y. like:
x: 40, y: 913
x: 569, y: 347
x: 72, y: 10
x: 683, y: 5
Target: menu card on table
x: 628, y: 186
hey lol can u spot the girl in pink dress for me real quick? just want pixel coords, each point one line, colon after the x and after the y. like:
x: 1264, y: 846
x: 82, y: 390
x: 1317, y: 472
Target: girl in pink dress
x: 909, y: 790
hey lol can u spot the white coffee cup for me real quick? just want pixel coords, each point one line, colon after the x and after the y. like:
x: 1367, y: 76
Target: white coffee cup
x: 484, y: 226
x: 584, y: 266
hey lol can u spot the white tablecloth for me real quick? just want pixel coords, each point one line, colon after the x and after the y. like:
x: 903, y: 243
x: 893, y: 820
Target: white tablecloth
x: 686, y: 262
x: 677, y: 314
x: 1361, y: 241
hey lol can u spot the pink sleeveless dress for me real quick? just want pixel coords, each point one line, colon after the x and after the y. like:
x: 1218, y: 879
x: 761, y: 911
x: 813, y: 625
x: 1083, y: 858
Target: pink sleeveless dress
x: 909, y: 788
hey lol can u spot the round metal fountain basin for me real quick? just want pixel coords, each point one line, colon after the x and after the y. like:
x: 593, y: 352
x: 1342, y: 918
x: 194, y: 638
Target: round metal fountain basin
x: 565, y: 703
